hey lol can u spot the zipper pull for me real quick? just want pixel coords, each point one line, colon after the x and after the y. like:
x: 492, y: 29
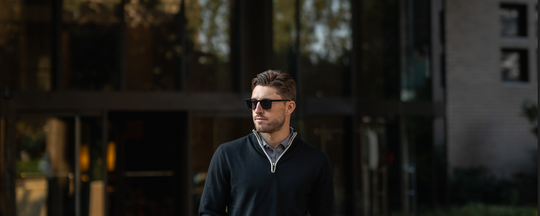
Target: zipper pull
x: 273, y: 169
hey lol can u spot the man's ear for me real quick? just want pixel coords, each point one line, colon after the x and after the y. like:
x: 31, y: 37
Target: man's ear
x: 291, y: 105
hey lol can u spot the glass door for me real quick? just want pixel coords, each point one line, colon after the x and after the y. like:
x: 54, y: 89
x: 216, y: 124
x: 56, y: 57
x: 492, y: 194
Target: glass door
x: 59, y: 165
x: 149, y: 175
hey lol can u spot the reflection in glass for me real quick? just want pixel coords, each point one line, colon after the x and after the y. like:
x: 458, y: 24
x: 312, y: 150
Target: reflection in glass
x: 425, y: 165
x: 45, y: 166
x: 325, y: 46
x: 148, y: 175
x: 509, y: 22
x: 327, y: 133
x: 11, y: 26
x: 33, y: 166
x: 284, y: 35
x: 25, y: 45
x: 208, y: 42
x: 416, y: 75
x: 513, y: 20
x: 376, y: 154
x: 152, y: 47
x: 513, y: 66
x: 90, y: 45
x: 173, y: 43
x: 378, y: 72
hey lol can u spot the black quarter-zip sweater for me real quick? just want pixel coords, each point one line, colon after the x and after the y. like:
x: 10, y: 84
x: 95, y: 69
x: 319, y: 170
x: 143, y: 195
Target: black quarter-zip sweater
x: 240, y: 179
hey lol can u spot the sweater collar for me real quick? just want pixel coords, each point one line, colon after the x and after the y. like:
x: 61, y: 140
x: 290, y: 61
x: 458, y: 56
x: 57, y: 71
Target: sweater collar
x: 285, y: 142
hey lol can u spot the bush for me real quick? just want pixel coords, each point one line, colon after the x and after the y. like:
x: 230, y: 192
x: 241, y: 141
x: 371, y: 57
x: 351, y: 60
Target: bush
x: 476, y: 185
x: 476, y: 210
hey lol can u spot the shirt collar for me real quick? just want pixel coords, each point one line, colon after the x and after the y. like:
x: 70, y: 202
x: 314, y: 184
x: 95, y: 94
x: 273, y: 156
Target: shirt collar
x: 285, y: 142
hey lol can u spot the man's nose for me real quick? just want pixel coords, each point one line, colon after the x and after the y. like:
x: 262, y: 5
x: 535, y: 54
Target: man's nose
x: 258, y: 108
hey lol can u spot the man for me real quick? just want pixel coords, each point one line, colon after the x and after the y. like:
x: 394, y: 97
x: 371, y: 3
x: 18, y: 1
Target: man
x: 270, y: 171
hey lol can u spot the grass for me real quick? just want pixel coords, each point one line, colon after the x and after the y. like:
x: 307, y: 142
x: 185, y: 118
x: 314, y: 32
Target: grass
x: 476, y: 210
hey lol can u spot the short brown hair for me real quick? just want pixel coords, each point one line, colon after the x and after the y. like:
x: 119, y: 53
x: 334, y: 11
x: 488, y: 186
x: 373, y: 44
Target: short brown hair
x: 283, y: 82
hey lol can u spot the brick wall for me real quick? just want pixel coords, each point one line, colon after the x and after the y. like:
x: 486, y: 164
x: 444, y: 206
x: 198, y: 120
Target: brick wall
x: 485, y: 127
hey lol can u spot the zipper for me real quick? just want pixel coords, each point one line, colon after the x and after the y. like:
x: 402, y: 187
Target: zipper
x: 273, y: 165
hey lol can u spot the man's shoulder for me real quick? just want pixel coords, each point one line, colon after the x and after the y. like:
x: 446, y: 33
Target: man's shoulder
x: 236, y: 144
x: 310, y: 150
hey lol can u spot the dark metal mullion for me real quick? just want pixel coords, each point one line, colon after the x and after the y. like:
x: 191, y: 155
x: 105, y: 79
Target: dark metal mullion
x: 183, y: 170
x: 56, y: 55
x: 119, y: 178
x: 438, y: 130
x: 104, y: 151
x: 3, y: 130
x: 402, y: 20
x: 184, y: 59
x: 241, y: 44
x: 353, y: 147
x: 436, y: 51
x: 300, y: 100
x: 77, y: 166
x: 235, y: 45
x: 189, y: 158
x: 10, y: 171
x: 122, y: 46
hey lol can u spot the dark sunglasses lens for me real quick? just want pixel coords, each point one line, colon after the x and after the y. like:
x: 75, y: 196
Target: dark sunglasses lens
x: 266, y: 104
x: 249, y: 104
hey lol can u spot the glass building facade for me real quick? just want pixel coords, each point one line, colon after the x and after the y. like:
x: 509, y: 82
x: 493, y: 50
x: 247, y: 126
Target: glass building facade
x: 114, y: 107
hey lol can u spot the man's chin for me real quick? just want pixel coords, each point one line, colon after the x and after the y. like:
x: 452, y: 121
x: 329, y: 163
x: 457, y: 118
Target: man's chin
x: 261, y: 129
x: 265, y: 130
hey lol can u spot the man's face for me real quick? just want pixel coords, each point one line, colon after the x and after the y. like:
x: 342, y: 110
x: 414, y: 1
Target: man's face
x: 268, y: 121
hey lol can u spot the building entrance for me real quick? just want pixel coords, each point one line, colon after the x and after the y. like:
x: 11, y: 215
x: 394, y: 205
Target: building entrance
x: 149, y: 174
x: 59, y: 165
x: 115, y: 163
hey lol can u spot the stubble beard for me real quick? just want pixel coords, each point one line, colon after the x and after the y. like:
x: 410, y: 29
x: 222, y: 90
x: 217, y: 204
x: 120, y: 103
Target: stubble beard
x: 270, y: 126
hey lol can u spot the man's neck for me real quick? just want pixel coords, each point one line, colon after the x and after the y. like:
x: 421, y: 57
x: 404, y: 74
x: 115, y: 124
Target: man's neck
x: 273, y: 139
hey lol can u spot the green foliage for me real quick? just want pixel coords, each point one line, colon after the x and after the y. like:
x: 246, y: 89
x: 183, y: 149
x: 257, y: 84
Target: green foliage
x: 283, y: 26
x: 475, y: 210
x: 529, y: 110
x: 477, y: 185
x: 29, y: 168
x: 326, y: 31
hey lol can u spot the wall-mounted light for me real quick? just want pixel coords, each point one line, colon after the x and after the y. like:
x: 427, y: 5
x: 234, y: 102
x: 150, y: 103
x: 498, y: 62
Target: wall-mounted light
x: 111, y: 156
x: 84, y: 158
x: 84, y: 161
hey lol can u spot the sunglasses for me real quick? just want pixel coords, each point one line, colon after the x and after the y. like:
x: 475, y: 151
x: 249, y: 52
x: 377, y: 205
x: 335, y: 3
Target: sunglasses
x: 266, y: 104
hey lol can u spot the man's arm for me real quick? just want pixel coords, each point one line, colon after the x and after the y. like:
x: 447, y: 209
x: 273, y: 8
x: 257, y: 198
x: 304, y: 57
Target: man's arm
x: 216, y: 193
x: 321, y: 200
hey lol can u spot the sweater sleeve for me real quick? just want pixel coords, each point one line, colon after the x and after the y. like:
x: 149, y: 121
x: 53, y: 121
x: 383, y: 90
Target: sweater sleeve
x: 321, y: 199
x: 216, y: 193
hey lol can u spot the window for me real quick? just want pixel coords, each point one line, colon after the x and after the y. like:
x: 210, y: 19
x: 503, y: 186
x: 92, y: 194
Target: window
x: 513, y: 18
x: 162, y: 57
x: 90, y: 46
x: 325, y: 47
x: 514, y: 65
x: 25, y: 45
x: 415, y: 72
